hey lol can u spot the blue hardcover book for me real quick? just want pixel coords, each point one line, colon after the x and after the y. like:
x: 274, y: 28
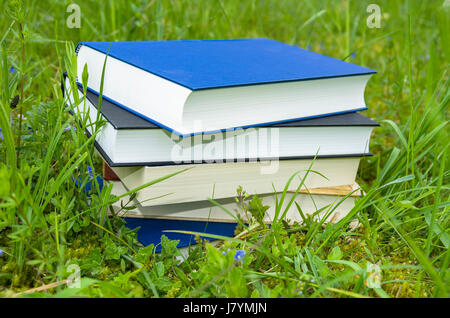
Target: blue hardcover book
x: 151, y: 230
x: 205, y: 86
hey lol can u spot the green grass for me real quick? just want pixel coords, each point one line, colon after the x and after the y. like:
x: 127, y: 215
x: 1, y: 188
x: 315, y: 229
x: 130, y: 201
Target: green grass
x: 46, y: 223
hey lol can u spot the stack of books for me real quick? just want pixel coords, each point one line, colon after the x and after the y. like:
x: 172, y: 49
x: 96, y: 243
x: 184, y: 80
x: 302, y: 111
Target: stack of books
x: 246, y: 113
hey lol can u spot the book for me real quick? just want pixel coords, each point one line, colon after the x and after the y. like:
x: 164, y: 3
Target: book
x: 221, y: 180
x: 203, y: 86
x: 331, y: 203
x: 108, y: 173
x: 127, y: 139
x: 150, y: 231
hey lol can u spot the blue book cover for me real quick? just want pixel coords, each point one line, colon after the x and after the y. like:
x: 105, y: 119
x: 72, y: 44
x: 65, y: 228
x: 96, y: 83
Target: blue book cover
x: 222, y: 84
x: 151, y: 230
x: 205, y: 64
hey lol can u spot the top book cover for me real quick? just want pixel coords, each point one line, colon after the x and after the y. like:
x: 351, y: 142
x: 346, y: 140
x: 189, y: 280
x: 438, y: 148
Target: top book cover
x: 206, y: 64
x: 191, y: 87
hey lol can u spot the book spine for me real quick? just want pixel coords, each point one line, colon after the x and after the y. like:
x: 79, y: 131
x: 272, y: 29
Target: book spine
x: 109, y: 174
x: 77, y: 48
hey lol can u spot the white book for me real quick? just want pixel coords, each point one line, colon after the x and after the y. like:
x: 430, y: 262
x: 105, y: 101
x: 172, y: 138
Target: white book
x: 220, y: 180
x: 325, y: 201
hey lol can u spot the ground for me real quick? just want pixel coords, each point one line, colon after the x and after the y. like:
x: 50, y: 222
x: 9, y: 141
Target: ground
x: 47, y: 223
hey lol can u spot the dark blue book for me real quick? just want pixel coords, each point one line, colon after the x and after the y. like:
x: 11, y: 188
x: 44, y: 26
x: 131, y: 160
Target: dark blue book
x: 151, y: 230
x: 205, y: 86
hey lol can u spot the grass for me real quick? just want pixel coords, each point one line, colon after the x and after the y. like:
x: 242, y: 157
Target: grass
x: 46, y: 223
